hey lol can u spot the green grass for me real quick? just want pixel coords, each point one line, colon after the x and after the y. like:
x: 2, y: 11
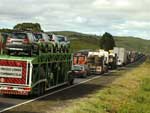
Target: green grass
x: 140, y: 103
x: 128, y: 94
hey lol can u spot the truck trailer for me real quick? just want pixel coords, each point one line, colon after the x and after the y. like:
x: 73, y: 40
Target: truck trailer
x: 34, y: 75
x: 122, y: 56
x: 97, y: 62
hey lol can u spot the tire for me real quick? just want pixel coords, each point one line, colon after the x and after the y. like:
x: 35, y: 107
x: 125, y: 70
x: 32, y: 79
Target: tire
x: 85, y: 75
x: 71, y: 82
x: 41, y: 89
x: 71, y: 79
x: 41, y: 86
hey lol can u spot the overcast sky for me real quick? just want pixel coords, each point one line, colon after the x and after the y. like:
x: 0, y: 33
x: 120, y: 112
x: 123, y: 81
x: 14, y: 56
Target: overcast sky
x: 119, y: 17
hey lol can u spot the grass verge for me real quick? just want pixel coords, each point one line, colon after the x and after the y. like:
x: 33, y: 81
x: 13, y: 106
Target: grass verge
x: 127, y: 94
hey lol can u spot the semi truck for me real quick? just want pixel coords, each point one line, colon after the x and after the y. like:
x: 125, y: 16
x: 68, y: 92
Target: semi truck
x: 122, y: 55
x: 112, y: 62
x: 97, y: 62
x: 80, y: 57
x: 23, y: 75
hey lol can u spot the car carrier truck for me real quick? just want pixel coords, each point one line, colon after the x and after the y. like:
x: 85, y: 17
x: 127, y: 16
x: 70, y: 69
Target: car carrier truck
x: 34, y: 75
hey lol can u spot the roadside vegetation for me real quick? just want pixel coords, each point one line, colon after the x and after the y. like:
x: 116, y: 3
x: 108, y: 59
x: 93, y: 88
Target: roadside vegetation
x: 128, y: 94
x: 86, y: 41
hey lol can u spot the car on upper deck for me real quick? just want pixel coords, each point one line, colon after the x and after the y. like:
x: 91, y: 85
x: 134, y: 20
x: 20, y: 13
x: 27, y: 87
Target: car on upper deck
x: 60, y: 42
x: 43, y: 40
x: 22, y: 42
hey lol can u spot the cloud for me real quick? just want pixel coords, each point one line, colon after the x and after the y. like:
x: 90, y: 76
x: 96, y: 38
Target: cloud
x: 127, y: 17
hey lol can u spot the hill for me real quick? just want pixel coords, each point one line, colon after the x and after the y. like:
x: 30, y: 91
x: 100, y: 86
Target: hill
x: 87, y: 41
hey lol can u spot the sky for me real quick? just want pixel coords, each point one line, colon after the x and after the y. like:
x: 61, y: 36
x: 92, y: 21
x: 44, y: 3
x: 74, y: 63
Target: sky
x: 118, y: 17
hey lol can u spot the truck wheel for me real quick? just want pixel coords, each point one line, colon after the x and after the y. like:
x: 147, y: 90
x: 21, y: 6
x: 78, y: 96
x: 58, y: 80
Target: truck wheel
x: 41, y: 86
x: 84, y: 75
x: 70, y: 79
x: 41, y: 89
x: 71, y: 82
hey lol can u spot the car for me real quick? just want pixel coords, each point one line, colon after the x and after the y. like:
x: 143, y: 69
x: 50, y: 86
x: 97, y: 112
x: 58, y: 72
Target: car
x: 21, y: 42
x: 3, y: 38
x: 80, y: 71
x: 43, y: 40
x: 61, y: 43
x: 64, y: 43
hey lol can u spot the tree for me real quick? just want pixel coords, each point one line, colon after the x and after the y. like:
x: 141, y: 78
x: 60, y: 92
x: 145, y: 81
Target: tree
x: 35, y: 27
x: 107, y: 42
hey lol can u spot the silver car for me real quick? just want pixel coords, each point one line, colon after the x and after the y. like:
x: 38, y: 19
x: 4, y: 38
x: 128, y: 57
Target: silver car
x: 21, y: 42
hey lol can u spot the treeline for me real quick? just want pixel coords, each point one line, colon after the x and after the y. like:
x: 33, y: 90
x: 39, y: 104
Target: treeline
x: 34, y: 27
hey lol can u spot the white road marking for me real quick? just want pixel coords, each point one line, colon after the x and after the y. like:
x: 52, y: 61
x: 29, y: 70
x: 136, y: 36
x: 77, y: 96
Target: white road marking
x: 49, y: 94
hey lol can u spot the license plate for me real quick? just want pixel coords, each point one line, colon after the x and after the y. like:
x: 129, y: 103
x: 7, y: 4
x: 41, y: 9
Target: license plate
x: 76, y: 71
x: 19, y: 49
x: 17, y: 43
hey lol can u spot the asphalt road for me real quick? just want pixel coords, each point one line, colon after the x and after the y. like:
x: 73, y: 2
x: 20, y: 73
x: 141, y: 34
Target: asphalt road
x: 9, y: 101
x: 90, y: 83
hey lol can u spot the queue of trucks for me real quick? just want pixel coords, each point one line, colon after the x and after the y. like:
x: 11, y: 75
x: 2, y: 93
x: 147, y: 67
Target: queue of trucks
x: 38, y: 72
x: 100, y: 61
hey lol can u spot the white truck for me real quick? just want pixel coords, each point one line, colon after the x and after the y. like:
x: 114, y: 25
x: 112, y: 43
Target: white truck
x: 121, y: 56
x: 97, y: 62
x: 112, y: 60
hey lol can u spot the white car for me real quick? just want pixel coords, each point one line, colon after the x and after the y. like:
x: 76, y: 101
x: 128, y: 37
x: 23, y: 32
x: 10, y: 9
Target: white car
x: 61, y: 43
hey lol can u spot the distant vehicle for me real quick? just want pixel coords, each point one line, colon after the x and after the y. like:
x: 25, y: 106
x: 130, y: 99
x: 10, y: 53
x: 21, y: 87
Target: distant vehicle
x: 22, y: 42
x: 80, y: 57
x: 97, y: 62
x: 61, y: 43
x: 44, y: 42
x: 80, y: 71
x: 122, y: 56
x: 112, y: 62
